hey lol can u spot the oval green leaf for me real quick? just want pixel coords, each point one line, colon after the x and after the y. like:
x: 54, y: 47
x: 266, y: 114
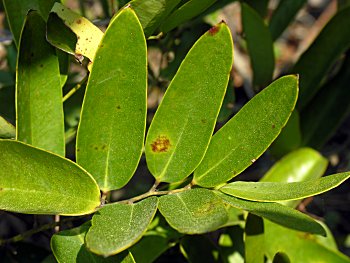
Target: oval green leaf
x: 280, y: 214
x: 264, y: 191
x: 194, y: 211
x: 248, y: 134
x: 68, y: 247
x: 7, y: 130
x: 16, y: 11
x: 33, y: 181
x: 184, y: 122
x: 185, y: 12
x: 38, y: 88
x: 300, y: 247
x: 152, y: 13
x: 259, y: 44
x: 333, y: 40
x: 113, y: 119
x: 118, y: 226
x: 88, y: 36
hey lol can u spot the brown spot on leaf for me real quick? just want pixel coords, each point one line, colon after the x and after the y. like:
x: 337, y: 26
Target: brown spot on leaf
x: 161, y: 144
x: 103, y: 146
x: 214, y: 30
x: 118, y: 107
x: 1, y: 189
x: 273, y: 126
x: 203, y: 121
x: 78, y: 21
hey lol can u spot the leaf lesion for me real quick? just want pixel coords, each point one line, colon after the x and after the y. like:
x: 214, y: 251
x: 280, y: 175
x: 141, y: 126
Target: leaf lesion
x: 161, y: 144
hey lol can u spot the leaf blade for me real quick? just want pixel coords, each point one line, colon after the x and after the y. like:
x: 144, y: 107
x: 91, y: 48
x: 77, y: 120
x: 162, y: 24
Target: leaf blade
x: 185, y: 119
x: 28, y: 185
x: 107, y: 238
x: 112, y: 157
x: 193, y: 211
x: 233, y: 148
x: 262, y: 191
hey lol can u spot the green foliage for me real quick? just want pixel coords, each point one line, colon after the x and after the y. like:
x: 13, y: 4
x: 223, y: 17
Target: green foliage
x: 192, y: 160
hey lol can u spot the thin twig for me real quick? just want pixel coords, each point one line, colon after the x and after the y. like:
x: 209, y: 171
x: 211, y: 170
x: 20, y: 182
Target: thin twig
x: 31, y: 232
x: 74, y: 89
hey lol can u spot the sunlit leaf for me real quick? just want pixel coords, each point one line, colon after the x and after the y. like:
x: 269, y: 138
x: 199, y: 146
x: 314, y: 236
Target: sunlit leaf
x: 68, y: 247
x: 33, y: 181
x: 193, y: 211
x: 248, y: 134
x: 265, y: 191
x: 277, y: 213
x: 73, y: 33
x: 7, y: 130
x: 116, y: 227
x: 112, y: 127
x: 184, y: 122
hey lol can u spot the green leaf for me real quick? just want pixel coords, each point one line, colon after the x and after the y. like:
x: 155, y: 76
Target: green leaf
x: 300, y: 247
x: 259, y: 44
x: 68, y: 247
x: 300, y: 165
x: 35, y: 181
x: 277, y: 213
x: 184, y: 122
x: 331, y: 104
x: 264, y: 191
x: 87, y: 35
x: 289, y: 138
x: 333, y: 40
x: 187, y: 11
x: 199, y: 249
x: 7, y: 130
x: 38, y: 87
x: 152, y: 13
x: 118, y: 226
x: 283, y: 15
x: 16, y: 11
x: 248, y: 134
x: 254, y: 239
x: 195, y: 211
x: 109, y: 144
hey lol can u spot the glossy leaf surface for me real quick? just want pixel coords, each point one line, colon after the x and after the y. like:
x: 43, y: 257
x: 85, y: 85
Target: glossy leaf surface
x: 264, y: 191
x: 116, y: 227
x: 68, y: 247
x: 35, y: 181
x: 300, y: 247
x: 283, y: 15
x: 184, y: 122
x: 7, y: 130
x: 152, y: 13
x: 331, y: 104
x: 254, y: 239
x: 111, y: 131
x: 194, y: 211
x: 248, y: 134
x: 16, y: 11
x: 333, y: 40
x: 259, y: 44
x: 277, y: 213
x: 38, y: 83
x: 188, y: 10
x: 88, y: 36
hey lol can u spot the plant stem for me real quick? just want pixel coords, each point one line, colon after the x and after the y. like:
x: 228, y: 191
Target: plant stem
x: 154, y: 193
x: 74, y: 89
x: 31, y: 232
